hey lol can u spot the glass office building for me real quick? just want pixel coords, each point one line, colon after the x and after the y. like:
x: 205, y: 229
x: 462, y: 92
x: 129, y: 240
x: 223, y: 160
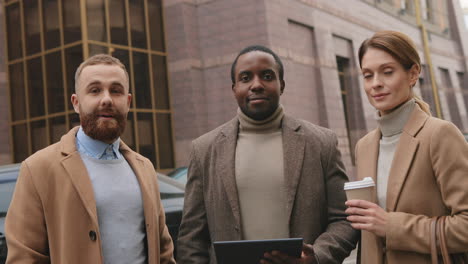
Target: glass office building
x: 46, y: 40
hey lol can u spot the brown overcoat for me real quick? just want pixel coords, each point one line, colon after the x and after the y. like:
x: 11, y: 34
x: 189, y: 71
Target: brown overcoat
x: 52, y: 217
x: 314, y: 186
x: 428, y: 177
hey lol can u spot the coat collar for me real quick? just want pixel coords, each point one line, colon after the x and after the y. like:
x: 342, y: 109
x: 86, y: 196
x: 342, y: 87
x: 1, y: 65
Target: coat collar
x: 293, y: 153
x: 406, y: 149
x: 78, y: 174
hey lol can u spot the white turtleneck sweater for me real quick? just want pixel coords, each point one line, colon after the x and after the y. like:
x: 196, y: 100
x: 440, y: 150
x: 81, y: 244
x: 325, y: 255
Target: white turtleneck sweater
x: 259, y: 173
x: 391, y: 126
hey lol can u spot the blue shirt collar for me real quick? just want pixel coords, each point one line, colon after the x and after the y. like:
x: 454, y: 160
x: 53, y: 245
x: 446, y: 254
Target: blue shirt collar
x: 95, y: 148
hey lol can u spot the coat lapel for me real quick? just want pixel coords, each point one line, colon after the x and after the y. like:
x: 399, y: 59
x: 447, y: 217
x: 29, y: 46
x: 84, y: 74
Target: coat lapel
x: 403, y: 157
x: 78, y: 173
x: 225, y: 151
x: 367, y: 158
x: 138, y: 166
x: 293, y: 153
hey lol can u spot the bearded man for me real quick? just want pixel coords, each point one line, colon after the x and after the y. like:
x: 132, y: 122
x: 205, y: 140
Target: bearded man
x: 89, y: 198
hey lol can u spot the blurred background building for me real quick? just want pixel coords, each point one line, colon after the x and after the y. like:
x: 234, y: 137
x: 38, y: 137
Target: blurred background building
x: 179, y: 54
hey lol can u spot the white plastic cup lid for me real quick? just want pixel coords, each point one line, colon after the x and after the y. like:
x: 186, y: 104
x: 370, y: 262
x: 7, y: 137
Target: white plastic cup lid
x: 364, y: 183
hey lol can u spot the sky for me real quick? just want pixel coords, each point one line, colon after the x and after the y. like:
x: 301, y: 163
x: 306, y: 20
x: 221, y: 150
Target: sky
x: 464, y: 3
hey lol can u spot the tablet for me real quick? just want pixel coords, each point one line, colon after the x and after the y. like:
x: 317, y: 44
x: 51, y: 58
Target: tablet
x: 251, y: 251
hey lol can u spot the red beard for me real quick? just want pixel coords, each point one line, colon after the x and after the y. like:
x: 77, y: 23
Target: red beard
x: 104, y: 130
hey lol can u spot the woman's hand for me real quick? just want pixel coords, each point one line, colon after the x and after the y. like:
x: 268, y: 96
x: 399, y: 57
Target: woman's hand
x: 368, y: 216
x: 276, y: 257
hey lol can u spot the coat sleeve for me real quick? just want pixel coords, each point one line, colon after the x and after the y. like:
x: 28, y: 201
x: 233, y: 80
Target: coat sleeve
x: 339, y: 238
x: 25, y: 227
x: 449, y: 158
x: 194, y: 238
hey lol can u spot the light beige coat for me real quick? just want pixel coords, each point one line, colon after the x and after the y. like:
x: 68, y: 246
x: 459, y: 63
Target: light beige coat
x: 53, y: 209
x: 428, y: 177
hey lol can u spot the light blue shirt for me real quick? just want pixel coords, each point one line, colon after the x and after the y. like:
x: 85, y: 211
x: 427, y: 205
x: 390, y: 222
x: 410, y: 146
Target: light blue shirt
x: 96, y: 148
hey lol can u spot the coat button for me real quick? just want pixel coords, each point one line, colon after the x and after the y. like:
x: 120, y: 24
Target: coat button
x: 92, y: 235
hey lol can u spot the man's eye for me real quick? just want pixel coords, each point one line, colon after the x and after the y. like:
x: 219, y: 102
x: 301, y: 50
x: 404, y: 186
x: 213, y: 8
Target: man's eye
x: 388, y: 72
x: 117, y: 90
x: 94, y: 90
x: 268, y: 76
x: 244, y: 78
x: 367, y: 76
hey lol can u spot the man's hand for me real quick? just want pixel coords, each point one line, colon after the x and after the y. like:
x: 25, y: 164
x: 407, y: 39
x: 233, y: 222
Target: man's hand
x: 276, y: 257
x: 368, y: 216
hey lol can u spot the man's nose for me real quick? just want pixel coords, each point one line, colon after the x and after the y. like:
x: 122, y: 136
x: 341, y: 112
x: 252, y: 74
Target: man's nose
x: 257, y: 84
x: 106, y: 98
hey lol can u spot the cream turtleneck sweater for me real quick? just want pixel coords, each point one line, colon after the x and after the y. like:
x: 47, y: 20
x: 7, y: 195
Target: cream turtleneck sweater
x: 391, y: 126
x: 260, y: 177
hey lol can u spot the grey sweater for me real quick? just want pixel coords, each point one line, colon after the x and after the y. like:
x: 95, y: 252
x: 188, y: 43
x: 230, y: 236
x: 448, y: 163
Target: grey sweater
x: 391, y: 126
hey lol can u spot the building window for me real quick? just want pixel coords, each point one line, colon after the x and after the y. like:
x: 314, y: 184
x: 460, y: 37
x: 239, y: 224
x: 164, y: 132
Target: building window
x: 426, y: 10
x: 447, y: 87
x: 426, y: 88
x: 352, y: 105
x: 462, y: 80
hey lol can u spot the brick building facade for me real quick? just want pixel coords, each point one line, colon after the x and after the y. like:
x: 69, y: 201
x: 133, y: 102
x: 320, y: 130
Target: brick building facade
x: 317, y: 41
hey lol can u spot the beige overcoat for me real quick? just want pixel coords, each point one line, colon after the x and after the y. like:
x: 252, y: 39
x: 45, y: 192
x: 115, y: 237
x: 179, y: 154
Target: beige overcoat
x: 314, y: 177
x: 428, y: 177
x: 52, y: 217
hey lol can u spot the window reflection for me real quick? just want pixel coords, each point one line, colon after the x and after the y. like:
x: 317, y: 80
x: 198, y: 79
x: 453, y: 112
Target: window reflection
x: 20, y: 142
x: 57, y: 128
x: 74, y: 120
x: 95, y: 12
x: 146, y: 136
x: 118, y: 22
x: 71, y: 20
x: 55, y: 91
x: 137, y: 23
x: 31, y: 26
x: 156, y: 25
x: 123, y: 56
x: 73, y: 59
x: 14, y: 35
x: 35, y: 88
x: 97, y: 49
x: 128, y: 136
x: 51, y: 23
x: 142, y: 83
x: 38, y: 135
x: 161, y: 93
x: 17, y: 92
x: 165, y: 145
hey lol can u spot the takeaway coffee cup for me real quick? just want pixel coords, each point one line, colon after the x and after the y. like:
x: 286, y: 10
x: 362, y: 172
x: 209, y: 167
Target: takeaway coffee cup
x: 361, y: 190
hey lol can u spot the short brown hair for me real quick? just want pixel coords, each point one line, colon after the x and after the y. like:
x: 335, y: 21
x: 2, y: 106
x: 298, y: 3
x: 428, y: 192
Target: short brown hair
x: 97, y: 60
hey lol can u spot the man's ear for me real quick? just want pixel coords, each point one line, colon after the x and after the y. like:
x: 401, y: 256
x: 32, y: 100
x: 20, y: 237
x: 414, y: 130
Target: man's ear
x: 75, y: 102
x: 283, y: 85
x: 129, y: 100
x: 232, y: 86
